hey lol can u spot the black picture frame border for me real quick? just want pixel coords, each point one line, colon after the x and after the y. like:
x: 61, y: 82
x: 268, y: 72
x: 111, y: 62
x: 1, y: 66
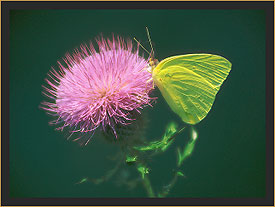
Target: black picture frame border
x: 268, y: 6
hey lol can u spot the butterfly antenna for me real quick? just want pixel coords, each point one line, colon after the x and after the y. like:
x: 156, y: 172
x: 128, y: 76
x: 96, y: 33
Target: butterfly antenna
x: 141, y: 46
x: 149, y: 38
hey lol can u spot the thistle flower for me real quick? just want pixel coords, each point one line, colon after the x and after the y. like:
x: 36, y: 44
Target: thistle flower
x: 98, y: 88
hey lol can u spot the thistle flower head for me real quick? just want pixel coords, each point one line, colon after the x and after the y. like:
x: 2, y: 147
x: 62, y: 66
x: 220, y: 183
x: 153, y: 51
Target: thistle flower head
x: 98, y: 88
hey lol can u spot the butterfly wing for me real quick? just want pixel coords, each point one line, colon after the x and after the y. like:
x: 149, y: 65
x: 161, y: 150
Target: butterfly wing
x: 189, y: 83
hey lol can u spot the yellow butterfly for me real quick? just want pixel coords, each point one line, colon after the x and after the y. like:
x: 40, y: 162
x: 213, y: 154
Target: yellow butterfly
x: 189, y: 83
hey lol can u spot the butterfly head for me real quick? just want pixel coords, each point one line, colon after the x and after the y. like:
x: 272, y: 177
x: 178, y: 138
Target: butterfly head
x: 153, y: 63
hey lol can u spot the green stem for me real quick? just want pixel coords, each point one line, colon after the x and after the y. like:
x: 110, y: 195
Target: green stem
x: 166, y: 189
x: 148, y: 187
x: 178, y: 132
x: 109, y: 174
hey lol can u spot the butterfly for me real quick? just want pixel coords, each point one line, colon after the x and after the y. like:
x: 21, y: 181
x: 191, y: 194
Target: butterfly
x: 189, y: 83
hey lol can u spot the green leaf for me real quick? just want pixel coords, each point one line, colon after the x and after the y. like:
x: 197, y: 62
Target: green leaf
x: 188, y: 149
x: 143, y: 170
x: 131, y: 159
x: 179, y: 173
x: 163, y: 144
x: 82, y: 181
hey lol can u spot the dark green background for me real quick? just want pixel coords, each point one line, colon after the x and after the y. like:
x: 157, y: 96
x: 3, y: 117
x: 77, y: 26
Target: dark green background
x: 229, y: 158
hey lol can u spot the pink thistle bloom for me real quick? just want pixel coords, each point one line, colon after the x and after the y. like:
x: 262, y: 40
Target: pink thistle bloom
x: 99, y: 89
